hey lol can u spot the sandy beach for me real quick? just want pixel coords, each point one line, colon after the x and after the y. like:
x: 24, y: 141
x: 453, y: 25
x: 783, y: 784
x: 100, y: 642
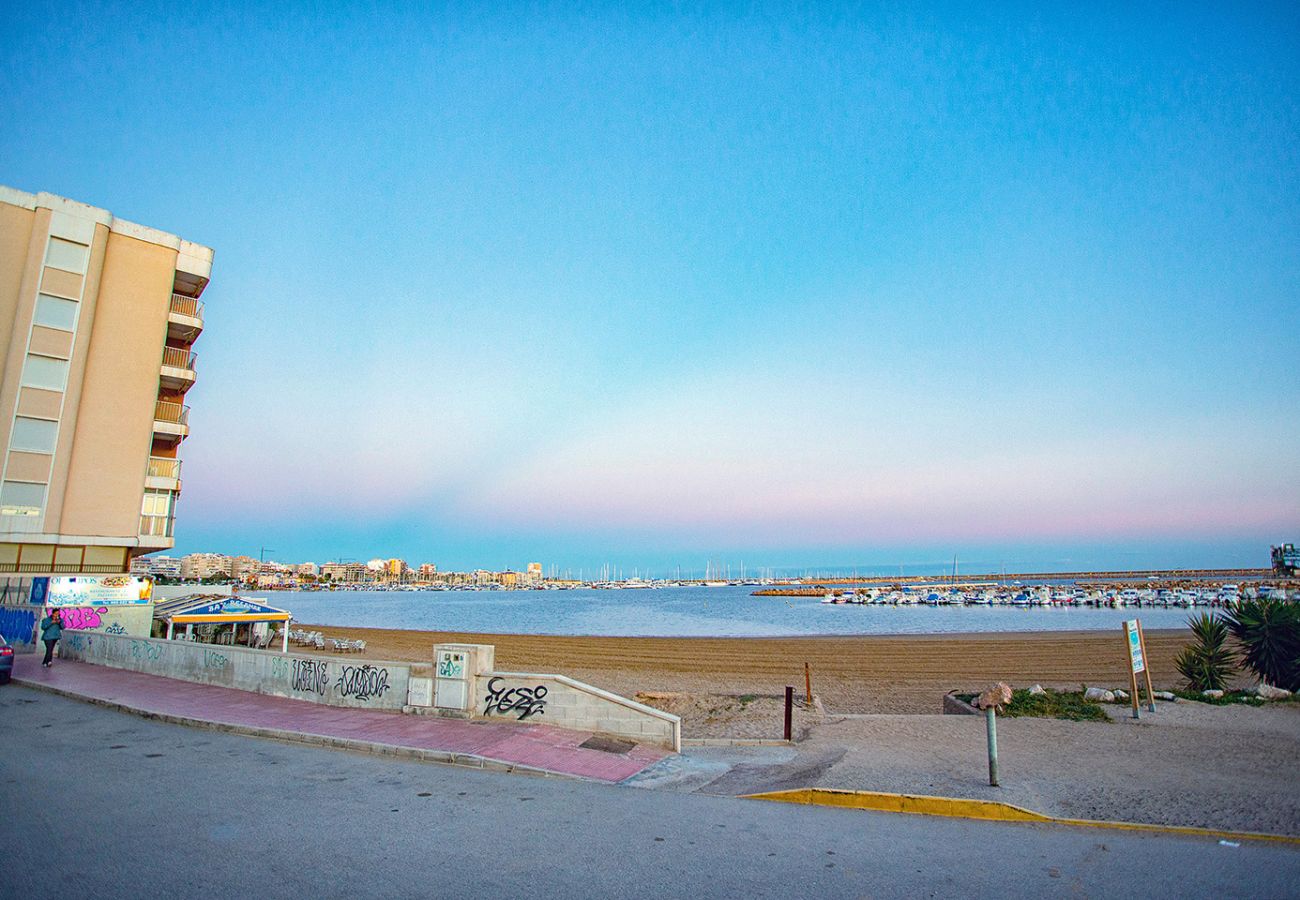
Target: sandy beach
x: 876, y: 721
x: 866, y: 674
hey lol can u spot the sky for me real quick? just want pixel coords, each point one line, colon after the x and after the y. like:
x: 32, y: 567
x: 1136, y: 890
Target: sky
x: 652, y: 285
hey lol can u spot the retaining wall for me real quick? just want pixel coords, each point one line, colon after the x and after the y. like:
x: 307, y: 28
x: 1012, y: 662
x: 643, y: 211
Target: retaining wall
x: 335, y: 682
x: 559, y: 700
x: 18, y: 625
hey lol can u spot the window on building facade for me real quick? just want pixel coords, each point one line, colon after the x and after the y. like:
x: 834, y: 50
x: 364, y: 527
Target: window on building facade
x: 37, y: 435
x: 157, y: 503
x: 67, y: 255
x: 45, y: 372
x: 56, y: 312
x: 21, y: 498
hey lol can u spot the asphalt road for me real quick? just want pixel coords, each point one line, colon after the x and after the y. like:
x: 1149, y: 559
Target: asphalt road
x: 95, y: 803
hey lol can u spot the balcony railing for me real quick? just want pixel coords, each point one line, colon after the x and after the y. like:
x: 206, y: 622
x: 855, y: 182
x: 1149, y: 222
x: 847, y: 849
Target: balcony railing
x: 179, y: 359
x: 156, y: 526
x: 187, y: 306
x: 167, y: 411
x: 162, y: 467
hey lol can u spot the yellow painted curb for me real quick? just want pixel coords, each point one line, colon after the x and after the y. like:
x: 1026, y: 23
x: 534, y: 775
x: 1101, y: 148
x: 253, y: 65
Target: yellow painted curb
x: 988, y: 810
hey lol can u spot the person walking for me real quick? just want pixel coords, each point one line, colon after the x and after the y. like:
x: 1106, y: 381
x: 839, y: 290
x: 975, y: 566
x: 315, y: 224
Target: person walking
x: 51, y: 631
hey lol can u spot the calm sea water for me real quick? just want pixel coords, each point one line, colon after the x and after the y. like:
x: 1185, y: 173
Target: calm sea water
x: 681, y: 612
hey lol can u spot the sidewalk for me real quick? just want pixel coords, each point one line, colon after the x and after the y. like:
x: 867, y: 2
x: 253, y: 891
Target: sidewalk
x: 496, y: 744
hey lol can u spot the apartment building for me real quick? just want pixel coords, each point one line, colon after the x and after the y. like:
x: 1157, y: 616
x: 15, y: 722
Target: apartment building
x: 346, y: 573
x: 245, y: 568
x: 197, y: 566
x: 157, y: 566
x: 98, y: 318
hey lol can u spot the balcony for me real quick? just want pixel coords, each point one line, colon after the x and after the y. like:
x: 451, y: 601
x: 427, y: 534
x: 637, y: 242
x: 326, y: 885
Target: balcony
x: 171, y: 421
x: 178, y: 368
x: 163, y: 474
x: 156, y: 531
x: 185, y: 318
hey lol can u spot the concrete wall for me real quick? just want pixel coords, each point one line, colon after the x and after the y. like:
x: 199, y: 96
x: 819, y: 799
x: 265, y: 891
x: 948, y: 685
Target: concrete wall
x: 348, y: 682
x: 130, y: 621
x: 18, y: 622
x: 559, y: 700
x: 18, y: 625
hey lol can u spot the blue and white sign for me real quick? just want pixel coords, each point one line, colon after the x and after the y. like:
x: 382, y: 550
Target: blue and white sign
x: 97, y: 590
x: 1135, y: 646
x: 232, y: 606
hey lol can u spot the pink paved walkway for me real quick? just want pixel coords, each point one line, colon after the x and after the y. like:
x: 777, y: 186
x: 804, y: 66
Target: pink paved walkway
x: 517, y: 743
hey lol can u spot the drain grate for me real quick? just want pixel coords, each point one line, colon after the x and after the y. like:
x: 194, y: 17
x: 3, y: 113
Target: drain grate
x: 607, y: 744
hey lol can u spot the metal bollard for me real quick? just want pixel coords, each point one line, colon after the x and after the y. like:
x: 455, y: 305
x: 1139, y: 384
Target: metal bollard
x: 991, y: 720
x: 789, y: 711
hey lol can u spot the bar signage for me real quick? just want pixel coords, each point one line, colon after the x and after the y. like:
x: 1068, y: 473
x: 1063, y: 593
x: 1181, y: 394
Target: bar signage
x: 91, y: 590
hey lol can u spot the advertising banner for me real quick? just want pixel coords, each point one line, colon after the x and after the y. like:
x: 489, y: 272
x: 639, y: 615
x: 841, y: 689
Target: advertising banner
x: 95, y: 590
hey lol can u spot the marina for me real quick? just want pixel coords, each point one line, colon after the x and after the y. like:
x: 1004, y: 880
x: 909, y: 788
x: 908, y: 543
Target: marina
x: 1225, y: 595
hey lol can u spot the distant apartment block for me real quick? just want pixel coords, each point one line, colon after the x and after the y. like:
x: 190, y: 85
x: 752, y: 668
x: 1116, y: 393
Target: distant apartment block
x: 244, y: 568
x: 157, y: 566
x: 98, y: 318
x: 198, y: 566
x: 346, y: 573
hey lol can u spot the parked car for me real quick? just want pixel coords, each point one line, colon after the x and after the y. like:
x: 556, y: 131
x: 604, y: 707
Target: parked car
x: 6, y: 660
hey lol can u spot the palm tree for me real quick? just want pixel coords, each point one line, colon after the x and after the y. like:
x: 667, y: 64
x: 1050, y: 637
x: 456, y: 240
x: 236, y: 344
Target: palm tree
x: 1207, y: 663
x: 1269, y: 633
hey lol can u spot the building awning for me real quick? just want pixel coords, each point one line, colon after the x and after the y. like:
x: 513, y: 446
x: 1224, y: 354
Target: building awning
x: 206, y: 609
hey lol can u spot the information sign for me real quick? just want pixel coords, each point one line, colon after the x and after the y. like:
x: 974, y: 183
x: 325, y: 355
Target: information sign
x: 1136, y: 661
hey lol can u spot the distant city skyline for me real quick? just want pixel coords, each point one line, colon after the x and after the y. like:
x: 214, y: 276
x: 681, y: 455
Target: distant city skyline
x: 814, y: 288
x: 1122, y: 559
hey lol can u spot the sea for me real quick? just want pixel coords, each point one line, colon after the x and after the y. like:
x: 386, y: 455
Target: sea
x: 729, y: 611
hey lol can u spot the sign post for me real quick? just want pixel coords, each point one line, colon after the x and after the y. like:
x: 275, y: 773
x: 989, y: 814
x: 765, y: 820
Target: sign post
x: 1137, y: 662
x: 1146, y: 669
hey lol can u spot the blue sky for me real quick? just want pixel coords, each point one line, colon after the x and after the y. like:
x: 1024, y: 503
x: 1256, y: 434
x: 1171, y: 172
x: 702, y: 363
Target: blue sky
x: 801, y: 287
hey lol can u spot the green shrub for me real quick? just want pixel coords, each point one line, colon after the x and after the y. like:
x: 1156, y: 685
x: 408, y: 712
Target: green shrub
x: 1068, y: 705
x: 1269, y: 633
x: 1207, y: 664
x: 1229, y: 698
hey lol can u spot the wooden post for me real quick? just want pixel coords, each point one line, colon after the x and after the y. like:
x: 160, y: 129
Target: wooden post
x: 1146, y: 668
x: 1132, y: 676
x: 789, y: 712
x: 807, y: 680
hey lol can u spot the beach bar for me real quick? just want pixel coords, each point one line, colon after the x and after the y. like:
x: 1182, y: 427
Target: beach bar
x: 212, y: 609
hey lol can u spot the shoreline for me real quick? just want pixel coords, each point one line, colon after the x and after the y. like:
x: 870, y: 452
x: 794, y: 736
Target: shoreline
x: 891, y: 673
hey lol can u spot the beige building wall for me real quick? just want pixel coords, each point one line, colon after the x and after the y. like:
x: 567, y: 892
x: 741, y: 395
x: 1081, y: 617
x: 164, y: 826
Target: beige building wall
x: 114, y: 425
x: 86, y: 313
x: 15, y: 234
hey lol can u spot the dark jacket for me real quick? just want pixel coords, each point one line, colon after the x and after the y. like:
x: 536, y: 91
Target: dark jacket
x: 50, y: 629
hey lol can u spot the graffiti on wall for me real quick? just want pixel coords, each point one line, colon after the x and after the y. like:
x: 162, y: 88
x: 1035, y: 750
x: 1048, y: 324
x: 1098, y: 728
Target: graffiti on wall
x: 214, y: 660
x: 309, y: 675
x: 17, y: 625
x: 362, y: 682
x: 146, y: 651
x: 83, y: 618
x: 525, y: 701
